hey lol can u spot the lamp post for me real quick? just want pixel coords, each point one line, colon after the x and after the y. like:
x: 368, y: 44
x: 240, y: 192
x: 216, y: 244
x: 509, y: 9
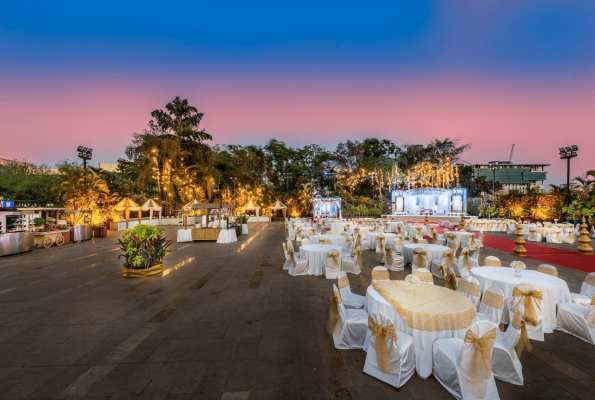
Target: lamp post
x: 85, y: 153
x: 566, y: 153
x: 493, y: 165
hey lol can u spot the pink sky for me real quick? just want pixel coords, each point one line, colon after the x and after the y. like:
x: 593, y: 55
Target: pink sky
x: 44, y: 121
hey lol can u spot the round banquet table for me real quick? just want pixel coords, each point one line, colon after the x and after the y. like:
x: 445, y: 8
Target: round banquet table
x: 338, y: 240
x: 433, y: 313
x: 460, y: 236
x: 412, y: 229
x: 184, y: 235
x: 544, y: 231
x: 554, y: 289
x: 316, y: 256
x: 338, y: 227
x: 227, y: 236
x: 433, y: 252
x: 388, y: 238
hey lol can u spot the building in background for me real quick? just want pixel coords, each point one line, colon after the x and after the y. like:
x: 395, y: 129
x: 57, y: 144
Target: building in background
x: 517, y: 177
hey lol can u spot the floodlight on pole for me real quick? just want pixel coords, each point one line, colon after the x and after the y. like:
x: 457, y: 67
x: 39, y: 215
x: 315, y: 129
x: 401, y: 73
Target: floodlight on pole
x: 85, y: 153
x: 567, y: 153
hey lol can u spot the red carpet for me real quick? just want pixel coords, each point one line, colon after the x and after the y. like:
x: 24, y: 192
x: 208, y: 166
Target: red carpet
x: 546, y: 254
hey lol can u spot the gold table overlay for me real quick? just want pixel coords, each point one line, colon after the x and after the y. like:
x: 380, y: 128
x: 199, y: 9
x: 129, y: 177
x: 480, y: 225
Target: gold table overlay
x: 430, y: 308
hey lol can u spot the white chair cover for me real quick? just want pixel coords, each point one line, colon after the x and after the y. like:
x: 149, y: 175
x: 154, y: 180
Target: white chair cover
x: 332, y: 264
x: 380, y: 274
x: 465, y: 263
x: 400, y: 352
x: 352, y: 326
x: 419, y: 259
x: 533, y: 235
x: 460, y: 371
x: 577, y: 320
x: 568, y: 236
x: 392, y: 261
x: 424, y: 275
x: 350, y: 300
x: 533, y: 306
x: 470, y: 288
x: 296, y: 266
x: 555, y: 237
x: 492, y: 305
x: 492, y: 261
x: 380, y: 243
x: 351, y: 264
x: 505, y: 361
x: 587, y: 291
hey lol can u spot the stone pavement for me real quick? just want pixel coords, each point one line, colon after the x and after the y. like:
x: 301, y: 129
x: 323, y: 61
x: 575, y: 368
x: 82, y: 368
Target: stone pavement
x: 223, y: 322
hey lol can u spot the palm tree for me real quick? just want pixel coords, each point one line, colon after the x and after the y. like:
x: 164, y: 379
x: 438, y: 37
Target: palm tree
x: 586, y: 182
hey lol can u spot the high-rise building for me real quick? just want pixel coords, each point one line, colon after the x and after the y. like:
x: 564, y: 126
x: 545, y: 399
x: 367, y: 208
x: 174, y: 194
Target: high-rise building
x: 512, y: 176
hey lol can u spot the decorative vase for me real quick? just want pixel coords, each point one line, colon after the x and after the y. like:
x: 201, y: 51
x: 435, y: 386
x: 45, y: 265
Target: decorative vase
x: 142, y: 273
x: 517, y: 272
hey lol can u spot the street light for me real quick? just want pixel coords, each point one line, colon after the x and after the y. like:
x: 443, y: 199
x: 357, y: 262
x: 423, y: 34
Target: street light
x: 566, y: 153
x: 493, y: 165
x: 84, y: 153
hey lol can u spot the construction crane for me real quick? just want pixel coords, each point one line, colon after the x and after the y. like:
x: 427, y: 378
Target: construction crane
x: 511, y: 151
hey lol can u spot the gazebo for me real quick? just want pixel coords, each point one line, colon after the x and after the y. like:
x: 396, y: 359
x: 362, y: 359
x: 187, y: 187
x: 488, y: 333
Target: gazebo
x: 128, y: 205
x: 151, y: 206
x: 279, y: 206
x: 252, y: 207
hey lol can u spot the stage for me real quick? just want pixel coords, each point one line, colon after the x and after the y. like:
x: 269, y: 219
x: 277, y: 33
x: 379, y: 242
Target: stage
x: 451, y: 217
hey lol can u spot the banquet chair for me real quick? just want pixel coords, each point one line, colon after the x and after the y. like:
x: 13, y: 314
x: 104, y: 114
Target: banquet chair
x: 351, y: 325
x: 470, y: 288
x: 305, y: 242
x: 492, y: 305
x: 332, y: 264
x: 506, y: 365
x: 555, y: 237
x: 296, y: 265
x: 352, y: 264
x: 528, y: 295
x: 449, y: 276
x: 419, y: 259
x: 311, y: 234
x: 380, y: 242
x: 448, y: 257
x: 291, y: 234
x: 459, y: 366
x: 380, y: 274
x: 285, y: 254
x: 419, y: 233
x: 577, y: 320
x: 350, y: 300
x: 492, y: 261
x: 548, y: 269
x: 422, y: 241
x: 345, y: 234
x: 390, y: 355
x: 568, y: 236
x: 587, y: 291
x: 454, y: 246
x: 328, y: 241
x: 533, y: 235
x: 392, y: 261
x: 398, y: 246
x: 364, y: 243
x: 465, y: 262
x: 511, y: 229
x: 424, y: 275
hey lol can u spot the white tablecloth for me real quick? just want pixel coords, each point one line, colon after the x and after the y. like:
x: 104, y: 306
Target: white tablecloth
x: 412, y: 230
x: 363, y: 230
x: 184, y: 235
x: 216, y: 224
x: 422, y: 340
x: 554, y: 290
x: 227, y: 236
x: 245, y: 229
x: 433, y: 252
x: 460, y: 236
x: 338, y: 240
x: 388, y: 238
x: 338, y: 227
x: 316, y: 256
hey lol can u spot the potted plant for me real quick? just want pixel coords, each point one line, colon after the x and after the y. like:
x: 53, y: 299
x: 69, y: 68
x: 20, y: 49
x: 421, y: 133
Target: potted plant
x: 144, y: 249
x: 39, y: 222
x: 99, y: 231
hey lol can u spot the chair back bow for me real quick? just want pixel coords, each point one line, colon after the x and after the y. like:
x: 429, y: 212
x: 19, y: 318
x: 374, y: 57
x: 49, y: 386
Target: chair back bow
x: 449, y: 256
x: 358, y: 254
x: 292, y: 255
x: 332, y: 258
x: 333, y: 316
x: 381, y: 333
x: 531, y: 295
x: 476, y: 362
x: 342, y: 282
x: 472, y: 243
x: 389, y: 255
x: 464, y: 258
x: 284, y: 250
x: 419, y: 257
x: 519, y: 323
x: 449, y: 276
x: 398, y: 241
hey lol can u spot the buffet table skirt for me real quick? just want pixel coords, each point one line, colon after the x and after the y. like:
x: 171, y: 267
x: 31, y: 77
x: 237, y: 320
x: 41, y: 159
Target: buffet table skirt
x: 227, y: 236
x: 184, y: 235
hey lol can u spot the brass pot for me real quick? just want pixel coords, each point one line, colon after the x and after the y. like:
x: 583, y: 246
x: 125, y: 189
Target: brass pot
x: 142, y: 273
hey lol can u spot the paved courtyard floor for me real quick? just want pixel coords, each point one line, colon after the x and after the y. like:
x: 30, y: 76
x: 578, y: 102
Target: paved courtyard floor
x: 222, y: 322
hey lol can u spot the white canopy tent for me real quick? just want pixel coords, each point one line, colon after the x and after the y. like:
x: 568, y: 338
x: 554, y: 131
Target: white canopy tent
x: 128, y: 205
x: 280, y: 206
x: 151, y: 206
x: 252, y: 207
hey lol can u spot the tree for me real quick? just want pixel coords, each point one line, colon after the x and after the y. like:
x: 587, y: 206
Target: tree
x: 22, y: 180
x: 481, y: 185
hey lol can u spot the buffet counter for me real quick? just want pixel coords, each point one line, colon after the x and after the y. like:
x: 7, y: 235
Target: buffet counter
x: 81, y: 232
x: 18, y: 242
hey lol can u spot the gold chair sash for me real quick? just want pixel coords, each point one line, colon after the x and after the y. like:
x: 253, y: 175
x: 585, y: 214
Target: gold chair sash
x: 493, y: 300
x: 284, y: 251
x: 389, y: 256
x: 519, y: 323
x: 333, y: 255
x: 449, y: 256
x: 479, y: 370
x: 419, y: 256
x: 443, y: 270
x: 380, y: 241
x: 333, y: 316
x: 558, y: 235
x: 424, y: 276
x: 492, y: 263
x: 549, y: 271
x: 381, y: 333
x: 469, y: 287
x: 532, y: 234
x: 590, y: 280
x: 380, y: 275
x: 358, y: 252
x: 464, y: 257
x: 450, y: 280
x: 472, y: 243
x: 292, y: 255
x: 530, y: 297
x: 343, y: 282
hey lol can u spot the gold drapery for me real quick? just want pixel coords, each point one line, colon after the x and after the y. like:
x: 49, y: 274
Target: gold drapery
x: 469, y: 287
x: 381, y: 333
x: 343, y: 282
x: 493, y: 300
x: 531, y: 296
x: 389, y: 256
x: 419, y: 256
x: 479, y: 368
x: 519, y: 323
x: 333, y: 316
x: 379, y: 275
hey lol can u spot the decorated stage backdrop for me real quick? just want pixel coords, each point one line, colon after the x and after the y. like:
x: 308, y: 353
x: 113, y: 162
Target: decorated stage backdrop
x: 431, y: 200
x: 327, y: 207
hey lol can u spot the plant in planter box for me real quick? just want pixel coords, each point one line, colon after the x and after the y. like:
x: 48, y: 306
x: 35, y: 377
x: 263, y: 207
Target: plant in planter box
x: 38, y: 221
x: 144, y: 249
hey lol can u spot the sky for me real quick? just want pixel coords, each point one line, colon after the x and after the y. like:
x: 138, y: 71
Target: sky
x: 492, y: 72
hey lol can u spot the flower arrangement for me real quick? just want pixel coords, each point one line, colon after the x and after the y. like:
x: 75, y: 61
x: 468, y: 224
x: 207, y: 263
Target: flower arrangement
x: 328, y: 229
x: 427, y: 237
x: 144, y: 246
x: 214, y: 211
x: 412, y: 280
x: 518, y: 267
